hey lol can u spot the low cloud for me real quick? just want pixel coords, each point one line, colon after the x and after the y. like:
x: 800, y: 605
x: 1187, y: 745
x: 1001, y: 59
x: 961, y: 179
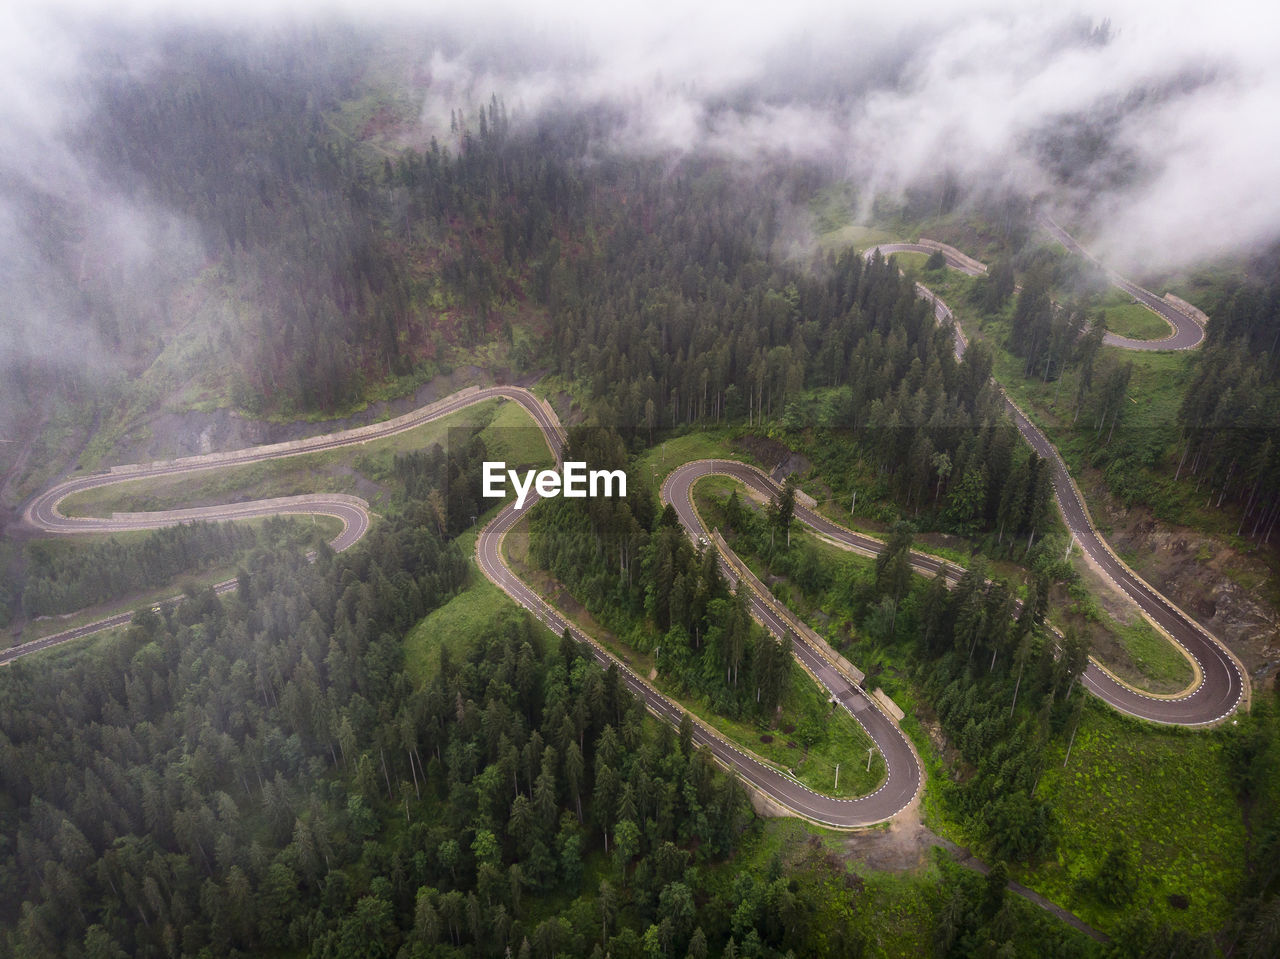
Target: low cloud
x: 1150, y: 127
x: 81, y: 264
x: 1162, y: 116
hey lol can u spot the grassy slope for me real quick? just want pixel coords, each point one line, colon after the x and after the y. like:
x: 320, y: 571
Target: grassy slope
x: 1150, y: 655
x: 842, y: 741
x: 453, y: 625
x: 308, y: 473
x: 1163, y: 793
x: 512, y: 437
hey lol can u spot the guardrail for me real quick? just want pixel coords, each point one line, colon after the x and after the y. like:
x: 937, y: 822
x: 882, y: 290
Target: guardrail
x: 951, y: 252
x: 801, y: 629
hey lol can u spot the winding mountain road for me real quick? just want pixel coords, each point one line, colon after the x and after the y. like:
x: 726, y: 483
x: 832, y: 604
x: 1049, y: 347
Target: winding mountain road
x: 44, y: 511
x: 1220, y: 684
x: 904, y: 776
x: 1185, y: 330
x: 1220, y: 690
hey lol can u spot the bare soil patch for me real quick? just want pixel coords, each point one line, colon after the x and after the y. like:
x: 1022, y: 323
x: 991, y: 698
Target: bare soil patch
x: 1230, y: 591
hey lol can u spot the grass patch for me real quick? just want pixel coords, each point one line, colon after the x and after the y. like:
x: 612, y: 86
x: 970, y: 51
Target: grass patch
x: 510, y: 436
x: 911, y: 262
x: 289, y: 477
x: 1121, y: 639
x: 839, y: 739
x: 899, y: 913
x: 452, y: 626
x: 326, y: 526
x: 1154, y: 657
x: 895, y: 913
x: 721, y: 443
x: 856, y: 235
x: 1136, y: 322
x: 1163, y: 794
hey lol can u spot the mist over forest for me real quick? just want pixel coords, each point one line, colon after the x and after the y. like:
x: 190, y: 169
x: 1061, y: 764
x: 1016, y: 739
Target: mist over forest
x: 1149, y: 132
x: 247, y: 223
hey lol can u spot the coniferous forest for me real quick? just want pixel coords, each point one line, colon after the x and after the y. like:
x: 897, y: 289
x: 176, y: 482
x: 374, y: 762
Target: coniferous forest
x: 271, y: 772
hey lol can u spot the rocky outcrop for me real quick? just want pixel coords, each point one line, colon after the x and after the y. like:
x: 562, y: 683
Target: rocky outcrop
x: 1220, y: 586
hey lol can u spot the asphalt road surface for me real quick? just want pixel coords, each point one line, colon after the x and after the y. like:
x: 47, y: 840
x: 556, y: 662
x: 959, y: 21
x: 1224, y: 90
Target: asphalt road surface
x: 1220, y: 691
x: 43, y: 511
x: 903, y: 779
x: 1222, y: 683
x: 1185, y: 333
x: 1214, y: 698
